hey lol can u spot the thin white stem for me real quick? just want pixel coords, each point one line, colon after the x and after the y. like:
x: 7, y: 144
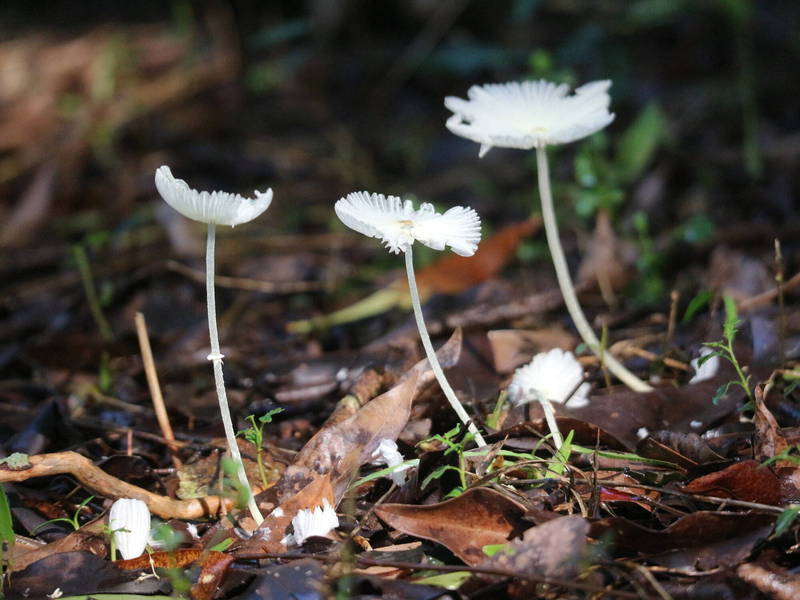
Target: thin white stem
x: 431, y: 354
x: 216, y: 359
x: 550, y: 417
x: 565, y: 282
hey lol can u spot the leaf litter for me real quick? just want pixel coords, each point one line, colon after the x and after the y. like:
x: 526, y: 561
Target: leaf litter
x: 689, y: 491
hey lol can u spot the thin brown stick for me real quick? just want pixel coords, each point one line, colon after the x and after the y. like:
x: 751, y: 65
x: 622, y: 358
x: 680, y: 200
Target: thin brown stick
x: 764, y: 298
x: 100, y: 482
x: 243, y: 283
x: 155, y: 387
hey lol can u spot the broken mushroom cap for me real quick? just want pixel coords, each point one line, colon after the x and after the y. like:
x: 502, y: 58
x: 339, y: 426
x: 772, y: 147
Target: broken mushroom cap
x: 388, y: 454
x: 214, y: 208
x: 314, y: 522
x: 398, y: 225
x: 528, y: 114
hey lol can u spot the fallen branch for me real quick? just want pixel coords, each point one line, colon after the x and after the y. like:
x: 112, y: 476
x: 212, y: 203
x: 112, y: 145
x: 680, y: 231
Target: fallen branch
x: 100, y: 482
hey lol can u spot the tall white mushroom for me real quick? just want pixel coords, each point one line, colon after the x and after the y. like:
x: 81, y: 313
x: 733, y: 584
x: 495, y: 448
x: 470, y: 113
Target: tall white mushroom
x: 536, y: 114
x: 398, y: 225
x: 216, y: 208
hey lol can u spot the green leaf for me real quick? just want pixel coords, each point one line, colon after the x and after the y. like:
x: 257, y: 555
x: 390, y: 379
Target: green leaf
x: 449, y: 581
x: 562, y: 454
x: 786, y: 518
x: 6, y: 537
x: 701, y: 360
x: 492, y: 549
x: 700, y: 301
x: 267, y: 417
x: 640, y: 142
x: 721, y: 391
x: 222, y: 546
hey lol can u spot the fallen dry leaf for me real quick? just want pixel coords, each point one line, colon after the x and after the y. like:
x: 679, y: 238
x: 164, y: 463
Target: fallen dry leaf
x: 88, y: 538
x: 768, y: 441
x: 602, y: 264
x: 215, y: 566
x: 748, y: 480
x: 686, y: 450
x: 522, y: 435
x: 477, y: 518
x: 297, y: 580
x: 622, y: 413
x: 702, y: 540
x: 553, y: 550
x: 269, y: 535
x: 340, y: 449
x: 514, y: 347
x: 76, y: 573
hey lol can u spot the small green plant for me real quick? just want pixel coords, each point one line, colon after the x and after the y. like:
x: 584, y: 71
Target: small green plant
x: 255, y: 435
x: 789, y: 454
x: 452, y: 444
x: 85, y: 270
x: 724, y: 349
x: 72, y: 521
x: 240, y: 493
x: 561, y: 457
x: 113, y: 540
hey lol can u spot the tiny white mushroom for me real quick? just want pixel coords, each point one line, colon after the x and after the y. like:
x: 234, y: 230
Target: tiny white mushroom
x: 388, y: 454
x: 707, y: 370
x: 129, y: 523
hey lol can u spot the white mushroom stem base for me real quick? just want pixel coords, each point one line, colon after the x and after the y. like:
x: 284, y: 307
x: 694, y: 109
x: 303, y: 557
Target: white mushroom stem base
x: 565, y: 282
x: 550, y: 417
x: 431, y: 354
x: 216, y: 359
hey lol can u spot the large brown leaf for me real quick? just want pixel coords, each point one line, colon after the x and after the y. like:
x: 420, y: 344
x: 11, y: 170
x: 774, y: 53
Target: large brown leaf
x: 701, y: 540
x: 477, y: 518
x: 269, y: 535
x: 748, y: 480
x: 340, y: 449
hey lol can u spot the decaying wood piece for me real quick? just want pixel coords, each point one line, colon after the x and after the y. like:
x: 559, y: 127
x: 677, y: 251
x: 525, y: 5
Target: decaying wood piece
x: 100, y: 482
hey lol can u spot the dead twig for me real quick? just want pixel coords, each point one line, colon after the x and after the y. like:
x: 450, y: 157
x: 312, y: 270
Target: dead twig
x: 242, y: 283
x: 155, y: 388
x: 759, y: 300
x: 100, y: 482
